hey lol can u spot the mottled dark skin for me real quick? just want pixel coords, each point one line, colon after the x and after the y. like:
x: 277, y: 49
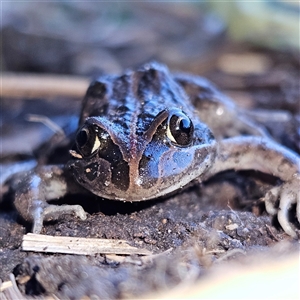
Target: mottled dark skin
x: 146, y: 134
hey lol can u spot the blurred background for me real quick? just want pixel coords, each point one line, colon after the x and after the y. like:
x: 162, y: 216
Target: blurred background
x: 87, y: 37
x: 250, y: 50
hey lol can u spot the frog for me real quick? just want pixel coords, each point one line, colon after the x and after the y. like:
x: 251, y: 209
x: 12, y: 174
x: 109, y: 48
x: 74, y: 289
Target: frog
x: 148, y: 133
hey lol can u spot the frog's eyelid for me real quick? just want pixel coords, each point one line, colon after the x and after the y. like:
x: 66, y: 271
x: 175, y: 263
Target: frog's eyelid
x: 96, y: 144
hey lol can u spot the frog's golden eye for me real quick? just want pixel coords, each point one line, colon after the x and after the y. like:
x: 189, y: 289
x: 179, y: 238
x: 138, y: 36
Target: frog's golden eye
x: 180, y: 128
x: 87, y: 140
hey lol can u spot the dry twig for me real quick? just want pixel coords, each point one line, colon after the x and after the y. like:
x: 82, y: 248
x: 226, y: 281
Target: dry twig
x: 9, y: 290
x: 35, y: 86
x: 77, y: 245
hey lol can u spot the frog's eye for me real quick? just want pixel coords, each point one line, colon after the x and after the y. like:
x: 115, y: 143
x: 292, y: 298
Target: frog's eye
x: 87, y: 140
x: 180, y: 128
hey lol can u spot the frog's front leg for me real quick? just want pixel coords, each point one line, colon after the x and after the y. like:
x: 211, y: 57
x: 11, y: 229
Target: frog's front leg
x: 35, y: 188
x: 255, y: 153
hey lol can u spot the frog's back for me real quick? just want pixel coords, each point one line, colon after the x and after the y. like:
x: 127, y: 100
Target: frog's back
x: 135, y: 98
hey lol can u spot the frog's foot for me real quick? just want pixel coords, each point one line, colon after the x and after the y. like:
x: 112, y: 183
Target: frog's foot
x: 47, y: 212
x: 288, y: 195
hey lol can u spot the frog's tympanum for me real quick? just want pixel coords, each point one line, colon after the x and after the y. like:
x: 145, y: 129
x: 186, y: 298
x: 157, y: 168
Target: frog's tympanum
x: 148, y: 133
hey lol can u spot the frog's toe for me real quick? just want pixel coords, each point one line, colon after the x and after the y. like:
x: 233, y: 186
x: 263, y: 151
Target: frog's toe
x: 53, y: 212
x: 271, y: 199
x: 288, y: 195
x: 298, y: 206
x: 287, y: 198
x: 37, y: 221
x: 36, y: 214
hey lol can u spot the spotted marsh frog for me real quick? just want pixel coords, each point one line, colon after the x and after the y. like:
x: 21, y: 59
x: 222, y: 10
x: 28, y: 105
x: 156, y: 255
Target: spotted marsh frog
x: 148, y: 133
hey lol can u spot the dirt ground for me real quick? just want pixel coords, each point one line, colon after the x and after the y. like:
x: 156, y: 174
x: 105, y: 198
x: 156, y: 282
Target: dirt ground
x: 190, y: 234
x: 220, y: 220
x: 183, y: 232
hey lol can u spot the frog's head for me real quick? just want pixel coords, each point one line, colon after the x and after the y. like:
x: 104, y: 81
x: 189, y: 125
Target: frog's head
x: 148, y: 150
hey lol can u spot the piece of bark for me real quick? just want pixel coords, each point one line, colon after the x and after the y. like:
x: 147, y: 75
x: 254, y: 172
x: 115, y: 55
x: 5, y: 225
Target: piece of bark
x: 9, y: 290
x: 77, y: 245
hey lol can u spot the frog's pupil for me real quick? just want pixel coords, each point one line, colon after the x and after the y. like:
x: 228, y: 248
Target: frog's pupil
x: 185, y: 125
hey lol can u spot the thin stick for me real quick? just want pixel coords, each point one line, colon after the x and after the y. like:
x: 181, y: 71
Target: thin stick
x: 47, y: 122
x: 39, y: 85
x: 5, y: 285
x: 9, y: 290
x: 76, y: 245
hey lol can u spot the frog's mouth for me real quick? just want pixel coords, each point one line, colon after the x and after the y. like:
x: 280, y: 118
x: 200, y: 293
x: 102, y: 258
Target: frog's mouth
x: 154, y: 178
x: 100, y: 171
